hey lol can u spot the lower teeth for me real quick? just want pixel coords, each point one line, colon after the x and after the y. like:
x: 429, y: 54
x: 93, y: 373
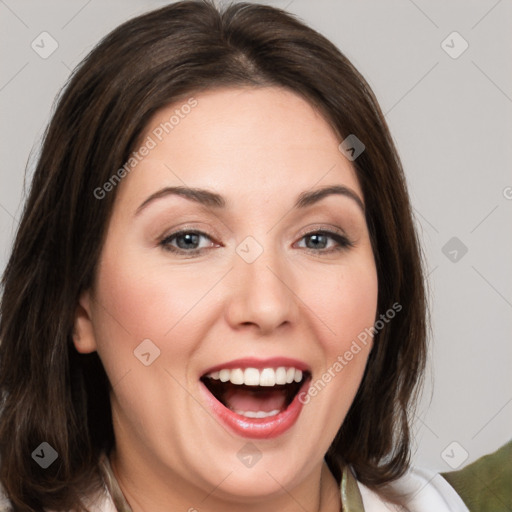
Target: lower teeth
x: 258, y: 414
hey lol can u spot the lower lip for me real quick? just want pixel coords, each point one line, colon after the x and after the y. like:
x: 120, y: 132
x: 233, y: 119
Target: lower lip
x: 257, y: 428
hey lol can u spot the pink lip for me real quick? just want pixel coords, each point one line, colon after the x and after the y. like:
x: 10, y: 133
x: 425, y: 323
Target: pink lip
x: 257, y: 428
x: 251, y: 362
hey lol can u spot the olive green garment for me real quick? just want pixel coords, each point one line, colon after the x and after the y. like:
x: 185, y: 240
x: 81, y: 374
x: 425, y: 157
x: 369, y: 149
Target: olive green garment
x: 486, y: 484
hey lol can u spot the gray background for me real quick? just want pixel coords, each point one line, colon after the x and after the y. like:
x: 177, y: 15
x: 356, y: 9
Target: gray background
x: 451, y: 120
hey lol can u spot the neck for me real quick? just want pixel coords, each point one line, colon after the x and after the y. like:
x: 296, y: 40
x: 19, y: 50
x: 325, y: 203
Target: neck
x: 146, y: 488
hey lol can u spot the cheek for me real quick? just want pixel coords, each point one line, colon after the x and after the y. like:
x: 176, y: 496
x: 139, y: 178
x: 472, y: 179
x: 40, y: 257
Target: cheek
x: 139, y: 297
x: 347, y: 309
x: 148, y: 301
x: 346, y: 301
x: 135, y: 302
x: 357, y: 310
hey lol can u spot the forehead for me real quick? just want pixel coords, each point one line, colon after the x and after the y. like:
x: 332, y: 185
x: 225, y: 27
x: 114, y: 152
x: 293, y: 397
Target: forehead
x: 268, y: 143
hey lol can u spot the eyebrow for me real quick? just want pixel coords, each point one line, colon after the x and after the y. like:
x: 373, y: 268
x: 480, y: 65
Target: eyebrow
x: 214, y: 200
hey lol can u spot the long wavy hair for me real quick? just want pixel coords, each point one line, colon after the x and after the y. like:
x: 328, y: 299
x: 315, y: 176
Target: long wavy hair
x: 49, y: 392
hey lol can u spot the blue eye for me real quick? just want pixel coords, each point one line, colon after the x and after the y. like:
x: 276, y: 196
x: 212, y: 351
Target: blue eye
x: 320, y: 239
x: 187, y: 242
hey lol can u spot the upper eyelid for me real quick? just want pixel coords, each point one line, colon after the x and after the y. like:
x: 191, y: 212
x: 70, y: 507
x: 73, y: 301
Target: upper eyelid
x: 313, y: 227
x: 310, y: 230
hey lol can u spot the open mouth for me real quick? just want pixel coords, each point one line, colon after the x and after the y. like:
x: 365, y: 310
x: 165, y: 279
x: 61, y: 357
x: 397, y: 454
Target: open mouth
x: 256, y: 393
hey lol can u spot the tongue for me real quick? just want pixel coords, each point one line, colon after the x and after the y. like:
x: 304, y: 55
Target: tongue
x: 246, y: 400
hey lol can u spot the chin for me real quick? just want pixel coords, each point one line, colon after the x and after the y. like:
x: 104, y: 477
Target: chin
x: 251, y: 485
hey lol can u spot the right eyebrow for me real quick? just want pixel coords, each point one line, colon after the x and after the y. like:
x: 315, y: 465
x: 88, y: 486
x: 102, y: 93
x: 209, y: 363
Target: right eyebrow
x: 198, y: 195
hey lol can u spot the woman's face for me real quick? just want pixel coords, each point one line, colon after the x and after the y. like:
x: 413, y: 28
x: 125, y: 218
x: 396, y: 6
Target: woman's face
x: 268, y: 282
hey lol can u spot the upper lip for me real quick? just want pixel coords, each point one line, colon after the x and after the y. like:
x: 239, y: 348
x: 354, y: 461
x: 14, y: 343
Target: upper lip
x: 251, y: 362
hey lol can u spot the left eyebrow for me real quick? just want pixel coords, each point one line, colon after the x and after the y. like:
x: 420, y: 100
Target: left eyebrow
x: 214, y: 200
x: 308, y: 198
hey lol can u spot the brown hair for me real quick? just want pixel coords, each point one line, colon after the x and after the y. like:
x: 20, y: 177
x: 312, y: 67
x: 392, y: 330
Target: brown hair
x: 51, y: 393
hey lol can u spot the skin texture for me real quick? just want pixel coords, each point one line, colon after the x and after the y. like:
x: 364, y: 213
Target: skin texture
x: 258, y: 148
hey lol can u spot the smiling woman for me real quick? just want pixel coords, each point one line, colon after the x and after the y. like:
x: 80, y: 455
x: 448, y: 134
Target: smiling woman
x: 238, y: 319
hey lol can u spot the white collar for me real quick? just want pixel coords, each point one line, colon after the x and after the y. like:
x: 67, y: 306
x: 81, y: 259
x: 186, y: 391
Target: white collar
x: 427, y: 491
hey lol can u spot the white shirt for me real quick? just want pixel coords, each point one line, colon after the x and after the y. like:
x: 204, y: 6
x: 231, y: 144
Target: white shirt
x: 428, y: 490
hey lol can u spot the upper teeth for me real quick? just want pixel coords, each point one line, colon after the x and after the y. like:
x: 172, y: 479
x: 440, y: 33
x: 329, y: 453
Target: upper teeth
x: 255, y: 377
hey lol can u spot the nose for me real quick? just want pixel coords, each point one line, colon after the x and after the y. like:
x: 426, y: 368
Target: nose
x: 261, y: 293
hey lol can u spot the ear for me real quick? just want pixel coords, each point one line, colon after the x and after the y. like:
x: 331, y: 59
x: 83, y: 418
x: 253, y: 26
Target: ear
x: 83, y: 332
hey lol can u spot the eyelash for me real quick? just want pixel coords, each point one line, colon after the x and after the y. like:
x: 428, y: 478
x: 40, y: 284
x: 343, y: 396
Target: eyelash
x: 342, y: 241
